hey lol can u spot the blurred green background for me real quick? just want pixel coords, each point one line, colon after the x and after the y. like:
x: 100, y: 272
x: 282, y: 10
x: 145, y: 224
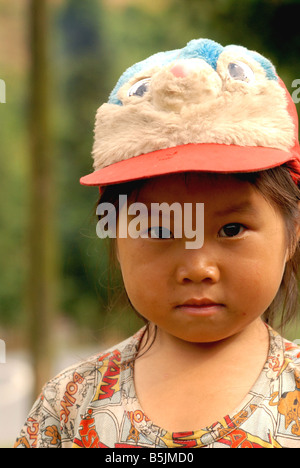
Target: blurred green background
x: 47, y: 219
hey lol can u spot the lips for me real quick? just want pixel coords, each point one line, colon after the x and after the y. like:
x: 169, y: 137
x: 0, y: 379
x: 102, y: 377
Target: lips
x: 203, y: 307
x: 204, y: 302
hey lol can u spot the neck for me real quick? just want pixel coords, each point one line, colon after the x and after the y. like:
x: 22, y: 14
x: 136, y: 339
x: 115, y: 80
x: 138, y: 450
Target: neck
x: 252, y: 340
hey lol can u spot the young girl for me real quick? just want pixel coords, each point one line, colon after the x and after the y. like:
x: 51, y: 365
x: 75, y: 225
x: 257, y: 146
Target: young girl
x: 206, y: 135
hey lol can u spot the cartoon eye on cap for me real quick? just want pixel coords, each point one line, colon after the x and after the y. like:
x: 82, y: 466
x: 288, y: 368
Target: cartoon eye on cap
x: 139, y: 88
x: 240, y: 71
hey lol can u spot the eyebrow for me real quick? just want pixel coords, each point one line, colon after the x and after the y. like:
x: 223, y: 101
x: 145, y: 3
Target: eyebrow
x: 244, y: 207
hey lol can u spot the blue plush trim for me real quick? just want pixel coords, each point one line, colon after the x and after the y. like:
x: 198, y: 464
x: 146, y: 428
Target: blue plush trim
x: 205, y: 49
x: 266, y: 64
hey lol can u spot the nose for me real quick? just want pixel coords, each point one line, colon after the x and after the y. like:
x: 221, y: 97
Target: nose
x: 184, y: 82
x: 197, y: 267
x: 184, y: 68
x: 180, y: 71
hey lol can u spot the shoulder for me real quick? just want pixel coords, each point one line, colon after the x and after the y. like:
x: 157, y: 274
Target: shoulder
x: 80, y: 380
x: 292, y: 350
x: 292, y: 358
x: 64, y: 398
x: 285, y: 395
x: 284, y: 355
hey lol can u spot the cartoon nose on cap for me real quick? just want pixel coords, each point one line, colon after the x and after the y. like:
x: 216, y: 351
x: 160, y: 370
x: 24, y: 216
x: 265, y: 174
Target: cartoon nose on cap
x: 184, y: 68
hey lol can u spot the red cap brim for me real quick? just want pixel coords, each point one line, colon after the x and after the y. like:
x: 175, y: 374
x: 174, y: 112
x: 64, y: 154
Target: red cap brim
x: 205, y: 157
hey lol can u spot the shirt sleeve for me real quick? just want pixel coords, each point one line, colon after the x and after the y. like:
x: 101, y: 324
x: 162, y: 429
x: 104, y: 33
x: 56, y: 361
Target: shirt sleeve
x: 42, y: 427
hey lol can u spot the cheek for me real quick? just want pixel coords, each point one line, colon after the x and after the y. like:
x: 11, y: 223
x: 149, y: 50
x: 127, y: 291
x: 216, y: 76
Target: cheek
x: 146, y: 285
x: 257, y: 281
x: 143, y: 277
x: 145, y: 294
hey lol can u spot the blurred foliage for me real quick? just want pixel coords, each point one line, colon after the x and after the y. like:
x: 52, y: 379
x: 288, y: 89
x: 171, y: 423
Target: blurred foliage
x: 90, y: 45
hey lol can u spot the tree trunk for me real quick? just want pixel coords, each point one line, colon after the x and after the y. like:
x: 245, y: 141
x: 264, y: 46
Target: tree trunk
x: 40, y: 287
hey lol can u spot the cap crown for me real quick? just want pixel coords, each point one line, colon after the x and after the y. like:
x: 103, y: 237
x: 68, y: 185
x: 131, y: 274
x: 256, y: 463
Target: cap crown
x: 203, y: 93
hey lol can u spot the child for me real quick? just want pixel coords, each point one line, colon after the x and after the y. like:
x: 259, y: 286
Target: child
x: 211, y: 132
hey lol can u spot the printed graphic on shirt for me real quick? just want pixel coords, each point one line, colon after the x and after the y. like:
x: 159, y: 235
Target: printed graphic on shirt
x: 94, y: 405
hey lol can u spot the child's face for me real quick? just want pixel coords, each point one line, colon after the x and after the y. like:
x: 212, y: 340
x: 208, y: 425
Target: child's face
x: 239, y: 267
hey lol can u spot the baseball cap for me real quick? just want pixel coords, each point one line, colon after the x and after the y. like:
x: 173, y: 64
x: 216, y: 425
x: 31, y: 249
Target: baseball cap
x: 204, y: 108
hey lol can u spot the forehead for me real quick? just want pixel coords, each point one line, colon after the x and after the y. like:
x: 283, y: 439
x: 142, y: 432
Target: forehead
x: 196, y: 187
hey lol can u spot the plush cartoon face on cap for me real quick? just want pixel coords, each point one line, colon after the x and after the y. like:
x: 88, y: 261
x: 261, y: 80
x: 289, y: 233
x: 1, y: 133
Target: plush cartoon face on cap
x: 203, y: 93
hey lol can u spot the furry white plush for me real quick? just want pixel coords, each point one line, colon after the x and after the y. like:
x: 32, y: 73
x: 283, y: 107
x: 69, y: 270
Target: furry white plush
x: 208, y: 105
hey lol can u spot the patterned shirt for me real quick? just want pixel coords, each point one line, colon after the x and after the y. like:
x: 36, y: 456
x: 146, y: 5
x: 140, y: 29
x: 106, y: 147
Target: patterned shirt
x: 94, y: 404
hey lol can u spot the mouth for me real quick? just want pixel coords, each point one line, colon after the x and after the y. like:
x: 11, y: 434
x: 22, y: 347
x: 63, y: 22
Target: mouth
x: 202, y: 306
x: 198, y: 303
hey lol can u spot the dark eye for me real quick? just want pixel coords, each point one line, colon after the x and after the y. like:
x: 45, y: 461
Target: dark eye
x: 159, y: 232
x: 139, y: 88
x: 240, y: 71
x: 231, y: 230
